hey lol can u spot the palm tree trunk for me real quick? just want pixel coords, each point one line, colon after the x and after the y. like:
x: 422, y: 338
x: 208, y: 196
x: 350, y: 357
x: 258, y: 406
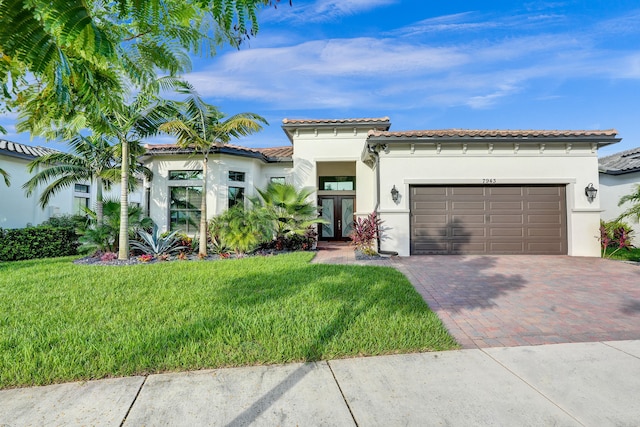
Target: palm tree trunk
x: 123, y: 247
x: 99, y: 202
x: 202, y: 247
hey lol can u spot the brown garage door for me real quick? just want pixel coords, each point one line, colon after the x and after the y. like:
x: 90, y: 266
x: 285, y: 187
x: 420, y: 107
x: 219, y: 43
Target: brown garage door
x: 488, y: 220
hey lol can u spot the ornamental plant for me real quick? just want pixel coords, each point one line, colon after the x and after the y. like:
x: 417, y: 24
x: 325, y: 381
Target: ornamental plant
x: 365, y: 233
x: 615, y: 235
x: 155, y: 244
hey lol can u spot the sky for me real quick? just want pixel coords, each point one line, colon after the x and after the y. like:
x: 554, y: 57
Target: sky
x: 431, y: 65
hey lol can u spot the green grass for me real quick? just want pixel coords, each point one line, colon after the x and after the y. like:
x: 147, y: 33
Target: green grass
x: 61, y: 322
x: 625, y: 254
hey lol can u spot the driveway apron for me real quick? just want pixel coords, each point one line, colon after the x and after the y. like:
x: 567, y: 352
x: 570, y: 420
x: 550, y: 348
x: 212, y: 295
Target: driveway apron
x: 504, y: 301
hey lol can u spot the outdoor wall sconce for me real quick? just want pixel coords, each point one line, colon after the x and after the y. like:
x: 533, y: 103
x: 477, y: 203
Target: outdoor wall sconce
x: 395, y: 194
x: 590, y: 192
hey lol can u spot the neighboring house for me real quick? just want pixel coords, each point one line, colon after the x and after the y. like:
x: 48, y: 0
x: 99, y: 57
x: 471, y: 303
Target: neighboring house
x: 437, y: 191
x: 619, y: 175
x: 18, y: 211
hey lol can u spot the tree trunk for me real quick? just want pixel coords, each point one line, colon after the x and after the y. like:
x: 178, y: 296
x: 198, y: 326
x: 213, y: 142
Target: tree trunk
x: 202, y: 247
x: 123, y: 247
x: 99, y: 202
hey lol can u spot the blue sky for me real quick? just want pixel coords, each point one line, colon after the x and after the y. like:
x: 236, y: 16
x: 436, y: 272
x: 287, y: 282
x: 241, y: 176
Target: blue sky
x: 433, y: 65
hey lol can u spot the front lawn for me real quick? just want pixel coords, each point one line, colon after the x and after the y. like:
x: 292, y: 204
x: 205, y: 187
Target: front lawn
x: 61, y: 322
x: 632, y: 254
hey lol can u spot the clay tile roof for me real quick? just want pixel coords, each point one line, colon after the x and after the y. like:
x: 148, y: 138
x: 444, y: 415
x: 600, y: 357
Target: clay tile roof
x: 266, y: 154
x: 620, y: 163
x: 24, y: 151
x: 382, y: 120
x: 470, y: 133
x: 277, y: 152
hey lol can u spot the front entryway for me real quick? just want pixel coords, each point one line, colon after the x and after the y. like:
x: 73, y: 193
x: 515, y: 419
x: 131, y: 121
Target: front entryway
x: 337, y: 211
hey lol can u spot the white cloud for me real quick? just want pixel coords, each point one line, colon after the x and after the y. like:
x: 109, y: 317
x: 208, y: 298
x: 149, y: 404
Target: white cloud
x: 322, y: 10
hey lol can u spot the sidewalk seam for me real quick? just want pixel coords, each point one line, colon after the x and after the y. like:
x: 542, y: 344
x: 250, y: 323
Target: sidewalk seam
x: 532, y: 387
x: 133, y: 402
x: 344, y: 398
x: 618, y: 349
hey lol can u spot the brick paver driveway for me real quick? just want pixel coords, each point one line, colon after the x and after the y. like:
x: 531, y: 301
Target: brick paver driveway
x: 491, y: 301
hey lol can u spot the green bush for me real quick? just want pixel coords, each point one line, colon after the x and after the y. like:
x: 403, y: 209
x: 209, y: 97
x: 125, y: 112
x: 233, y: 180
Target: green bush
x: 37, y: 242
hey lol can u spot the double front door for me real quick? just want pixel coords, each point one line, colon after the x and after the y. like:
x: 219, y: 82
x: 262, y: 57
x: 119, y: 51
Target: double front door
x: 337, y: 211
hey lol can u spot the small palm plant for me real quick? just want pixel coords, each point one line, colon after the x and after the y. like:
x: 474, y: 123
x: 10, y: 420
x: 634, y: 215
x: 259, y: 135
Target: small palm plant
x: 156, y: 244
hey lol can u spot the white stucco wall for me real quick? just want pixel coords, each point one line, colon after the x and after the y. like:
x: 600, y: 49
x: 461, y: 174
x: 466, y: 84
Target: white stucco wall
x: 612, y: 188
x: 16, y: 209
x: 575, y: 168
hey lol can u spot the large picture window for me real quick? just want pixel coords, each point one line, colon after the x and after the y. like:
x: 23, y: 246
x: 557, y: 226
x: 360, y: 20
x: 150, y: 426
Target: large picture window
x: 184, y: 210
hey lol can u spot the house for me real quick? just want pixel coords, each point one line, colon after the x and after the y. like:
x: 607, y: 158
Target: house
x: 619, y: 175
x: 18, y: 211
x: 438, y: 191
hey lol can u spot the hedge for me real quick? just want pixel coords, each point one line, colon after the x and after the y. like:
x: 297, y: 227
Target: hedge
x: 37, y: 242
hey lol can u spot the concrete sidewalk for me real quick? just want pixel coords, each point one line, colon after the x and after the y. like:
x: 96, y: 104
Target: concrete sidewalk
x: 589, y: 384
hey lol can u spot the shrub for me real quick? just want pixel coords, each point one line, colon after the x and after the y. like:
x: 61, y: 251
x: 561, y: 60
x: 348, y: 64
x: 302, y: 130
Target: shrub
x: 365, y: 232
x: 155, y: 244
x: 615, y: 235
x: 242, y: 229
x: 37, y: 242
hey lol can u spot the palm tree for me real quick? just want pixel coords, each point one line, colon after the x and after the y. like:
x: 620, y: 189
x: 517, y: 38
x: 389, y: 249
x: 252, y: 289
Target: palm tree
x: 202, y: 126
x: 634, y: 209
x: 6, y: 177
x: 90, y: 159
x: 292, y: 209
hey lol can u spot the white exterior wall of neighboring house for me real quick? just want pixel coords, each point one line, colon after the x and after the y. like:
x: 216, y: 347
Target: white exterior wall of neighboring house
x: 404, y: 166
x: 18, y: 211
x: 257, y: 174
x: 612, y: 188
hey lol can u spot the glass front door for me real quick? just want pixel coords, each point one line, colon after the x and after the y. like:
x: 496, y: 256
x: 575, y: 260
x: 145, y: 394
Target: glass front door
x: 337, y: 211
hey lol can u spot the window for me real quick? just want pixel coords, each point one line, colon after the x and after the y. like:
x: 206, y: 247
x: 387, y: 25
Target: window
x: 79, y: 204
x: 338, y: 183
x: 185, y: 175
x: 236, y: 176
x: 278, y: 180
x: 80, y: 198
x: 81, y: 188
x: 184, y: 208
x: 236, y: 196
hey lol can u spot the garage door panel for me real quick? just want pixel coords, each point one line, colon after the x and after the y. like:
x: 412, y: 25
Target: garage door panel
x: 506, y: 247
x: 431, y: 205
x: 466, y: 191
x: 505, y: 191
x: 544, y: 232
x: 468, y: 219
x: 469, y: 206
x: 506, y: 232
x: 431, y: 219
x: 459, y: 232
x: 544, y: 219
x: 488, y: 220
x: 431, y: 232
x: 466, y: 247
x: 506, y: 205
x: 424, y: 192
x: 543, y: 190
x: 544, y: 206
x: 506, y: 219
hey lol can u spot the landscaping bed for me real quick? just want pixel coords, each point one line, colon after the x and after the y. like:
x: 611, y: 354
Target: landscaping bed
x: 60, y: 321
